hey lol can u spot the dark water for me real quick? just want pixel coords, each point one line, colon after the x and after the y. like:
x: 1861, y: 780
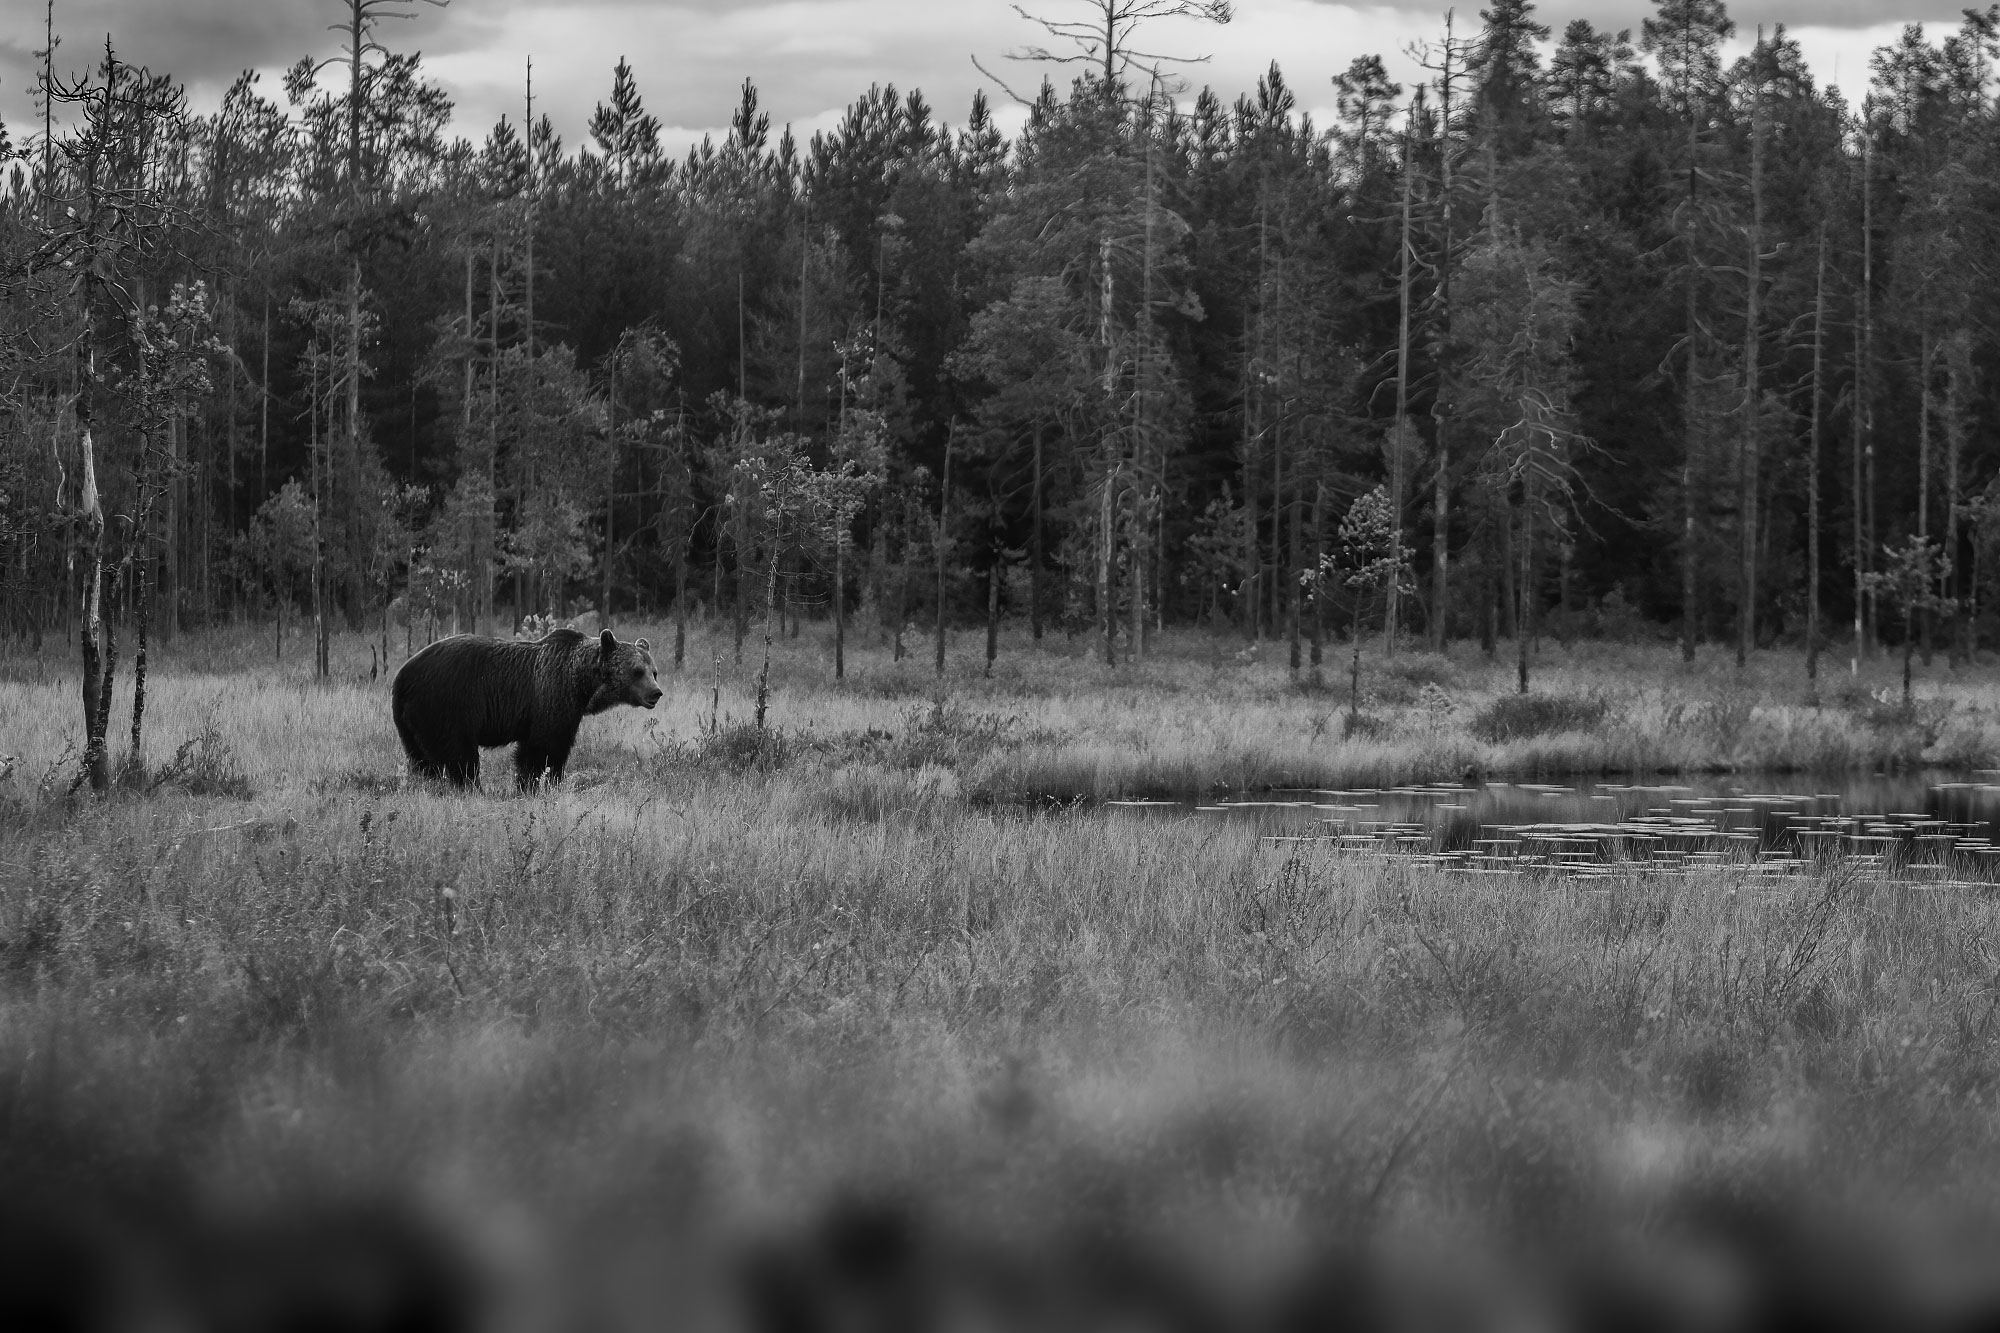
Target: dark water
x: 1923, y: 825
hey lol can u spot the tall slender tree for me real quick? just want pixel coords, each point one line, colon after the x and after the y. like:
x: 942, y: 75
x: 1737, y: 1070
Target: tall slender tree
x: 1685, y: 37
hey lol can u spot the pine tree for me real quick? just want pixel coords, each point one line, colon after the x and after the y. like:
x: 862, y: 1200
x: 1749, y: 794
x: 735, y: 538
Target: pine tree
x: 626, y: 137
x: 1686, y: 38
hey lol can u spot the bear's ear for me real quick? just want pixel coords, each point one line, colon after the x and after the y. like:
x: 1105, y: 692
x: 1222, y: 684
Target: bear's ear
x: 644, y: 646
x: 607, y: 643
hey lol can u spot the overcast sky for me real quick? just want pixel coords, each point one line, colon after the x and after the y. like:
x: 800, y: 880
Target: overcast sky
x: 809, y: 58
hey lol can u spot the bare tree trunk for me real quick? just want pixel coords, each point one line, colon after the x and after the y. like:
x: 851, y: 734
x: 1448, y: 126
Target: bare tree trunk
x: 840, y: 599
x: 1864, y: 509
x: 992, y: 612
x: 209, y: 474
x: 235, y: 494
x: 528, y: 259
x: 1276, y: 612
x: 680, y: 611
x: 1854, y: 502
x: 902, y: 609
x: 1927, y: 373
x: 264, y: 414
x: 1354, y: 666
x: 742, y: 608
x: 1746, y: 612
x: 143, y: 609
x: 1691, y: 433
x: 805, y: 257
x: 1690, y: 410
x: 1318, y: 559
x: 493, y: 432
x: 319, y: 517
x: 943, y: 541
x: 1277, y: 603
x: 1107, y: 561
x: 610, y: 498
x: 97, y: 753
x: 1440, y: 399
x: 1524, y: 617
x: 770, y: 616
x: 1392, y: 619
x: 1135, y: 648
x: 1563, y: 552
x: 1490, y: 591
x: 1251, y: 592
x: 475, y: 593
x: 1292, y: 593
x: 93, y: 635
x: 1978, y: 581
x: 1035, y: 548
x: 1141, y: 387
x: 1958, y: 376
x: 352, y: 462
x: 1812, y: 470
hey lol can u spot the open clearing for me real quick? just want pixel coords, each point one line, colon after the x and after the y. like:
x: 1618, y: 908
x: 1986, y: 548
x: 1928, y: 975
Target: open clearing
x: 869, y: 976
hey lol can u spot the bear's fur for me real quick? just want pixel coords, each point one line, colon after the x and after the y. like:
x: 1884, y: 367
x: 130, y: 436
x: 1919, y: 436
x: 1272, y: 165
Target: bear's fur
x: 468, y: 693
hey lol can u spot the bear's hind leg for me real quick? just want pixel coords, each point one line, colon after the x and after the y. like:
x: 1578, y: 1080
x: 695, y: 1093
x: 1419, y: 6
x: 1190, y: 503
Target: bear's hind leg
x: 461, y: 766
x: 421, y: 762
x: 558, y: 760
x: 531, y: 764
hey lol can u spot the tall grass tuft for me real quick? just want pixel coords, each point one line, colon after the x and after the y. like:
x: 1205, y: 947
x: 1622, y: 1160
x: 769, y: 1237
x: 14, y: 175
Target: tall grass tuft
x: 1514, y: 717
x: 861, y: 985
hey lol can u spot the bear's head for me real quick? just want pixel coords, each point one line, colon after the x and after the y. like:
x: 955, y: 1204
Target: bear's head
x: 625, y: 675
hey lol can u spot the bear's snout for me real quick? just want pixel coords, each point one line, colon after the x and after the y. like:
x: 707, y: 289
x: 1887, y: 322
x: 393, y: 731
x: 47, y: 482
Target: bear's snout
x: 654, y: 697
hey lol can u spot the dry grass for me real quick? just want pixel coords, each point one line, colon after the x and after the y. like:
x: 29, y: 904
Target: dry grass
x: 1201, y: 715
x: 683, y: 1003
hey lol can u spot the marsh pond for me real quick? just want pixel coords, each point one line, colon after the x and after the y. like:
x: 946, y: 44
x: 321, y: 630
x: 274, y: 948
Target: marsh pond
x: 1925, y: 826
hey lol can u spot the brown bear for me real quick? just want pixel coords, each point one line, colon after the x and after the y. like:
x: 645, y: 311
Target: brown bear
x: 466, y: 693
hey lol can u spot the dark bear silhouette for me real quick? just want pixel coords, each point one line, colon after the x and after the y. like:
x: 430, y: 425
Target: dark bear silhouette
x: 468, y: 693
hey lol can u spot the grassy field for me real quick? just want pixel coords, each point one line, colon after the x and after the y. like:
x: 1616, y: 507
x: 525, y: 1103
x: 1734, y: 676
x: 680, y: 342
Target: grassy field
x: 1201, y: 715
x: 848, y: 1026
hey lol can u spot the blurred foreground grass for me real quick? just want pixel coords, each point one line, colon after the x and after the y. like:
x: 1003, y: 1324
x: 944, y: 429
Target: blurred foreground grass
x: 828, y: 1031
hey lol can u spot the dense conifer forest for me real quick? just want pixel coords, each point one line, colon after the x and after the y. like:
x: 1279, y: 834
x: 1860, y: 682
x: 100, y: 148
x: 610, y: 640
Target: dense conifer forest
x: 1593, y: 332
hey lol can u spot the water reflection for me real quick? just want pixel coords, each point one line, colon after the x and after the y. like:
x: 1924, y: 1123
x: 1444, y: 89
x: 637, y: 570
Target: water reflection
x: 1916, y: 826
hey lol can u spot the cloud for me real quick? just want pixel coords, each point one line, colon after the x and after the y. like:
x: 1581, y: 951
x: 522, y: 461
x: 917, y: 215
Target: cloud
x: 810, y: 58
x: 1615, y: 14
x: 202, y: 42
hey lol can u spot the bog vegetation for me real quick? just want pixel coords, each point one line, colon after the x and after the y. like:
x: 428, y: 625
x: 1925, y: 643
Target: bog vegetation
x: 1248, y: 442
x: 867, y: 958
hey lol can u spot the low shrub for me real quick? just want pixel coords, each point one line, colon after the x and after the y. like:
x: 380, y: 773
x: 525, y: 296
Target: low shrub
x: 734, y: 747
x: 367, y: 781
x: 1515, y: 717
x: 1422, y: 669
x: 939, y: 734
x: 1886, y: 711
x: 1616, y: 620
x: 1363, y: 726
x: 870, y: 795
x: 202, y: 765
x: 1720, y: 720
x: 1316, y: 684
x: 1405, y: 680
